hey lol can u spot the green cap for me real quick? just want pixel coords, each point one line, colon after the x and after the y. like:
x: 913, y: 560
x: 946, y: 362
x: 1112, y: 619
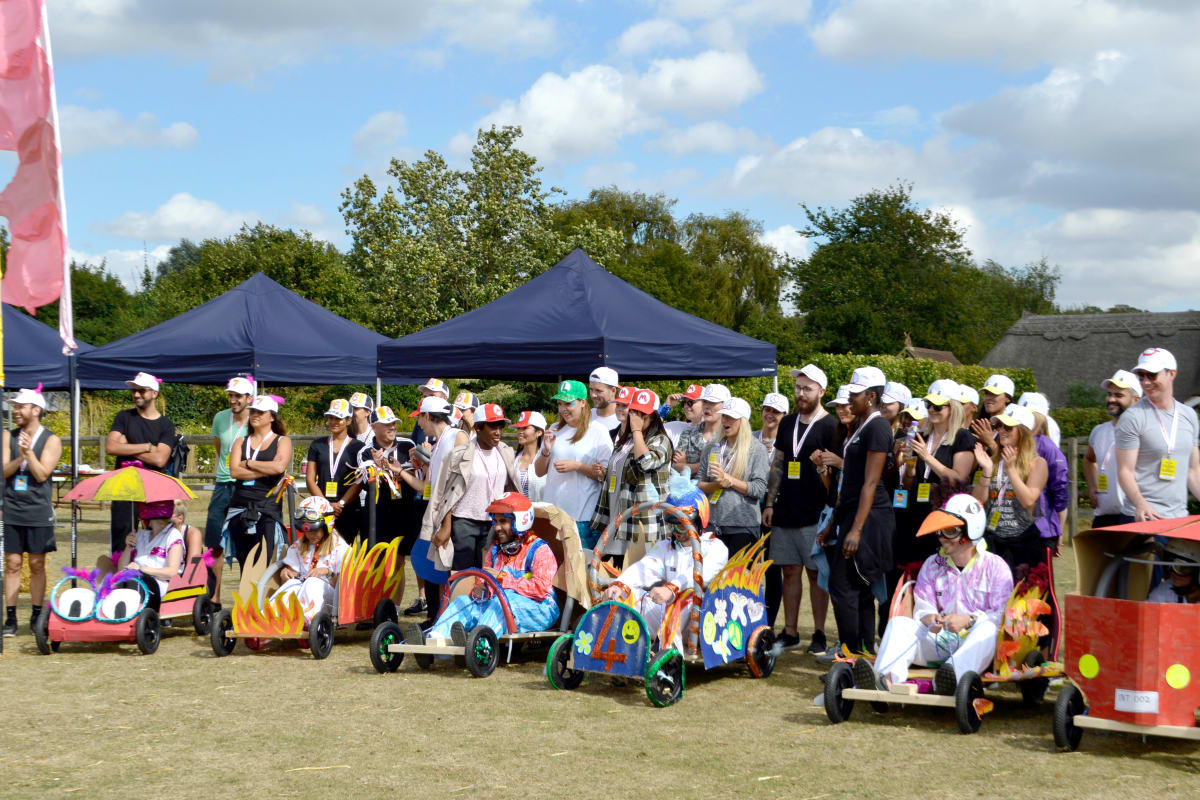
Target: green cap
x: 570, y: 391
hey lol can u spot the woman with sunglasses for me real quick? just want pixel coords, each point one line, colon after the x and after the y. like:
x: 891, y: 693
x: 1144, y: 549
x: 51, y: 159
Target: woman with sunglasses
x: 703, y: 433
x: 945, y: 454
x: 256, y: 462
x: 733, y: 473
x: 1012, y: 488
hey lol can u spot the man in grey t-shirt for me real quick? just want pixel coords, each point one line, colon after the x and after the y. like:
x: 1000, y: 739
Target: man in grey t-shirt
x: 1158, y: 460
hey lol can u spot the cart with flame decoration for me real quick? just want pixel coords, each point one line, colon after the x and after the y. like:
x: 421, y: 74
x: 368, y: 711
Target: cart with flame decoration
x: 365, y: 583
x: 1130, y: 662
x: 726, y: 622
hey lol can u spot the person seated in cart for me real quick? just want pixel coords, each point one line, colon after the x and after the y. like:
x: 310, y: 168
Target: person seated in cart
x: 156, y: 550
x: 313, y: 561
x: 666, y: 571
x: 1181, y: 584
x: 522, y: 563
x: 958, y: 606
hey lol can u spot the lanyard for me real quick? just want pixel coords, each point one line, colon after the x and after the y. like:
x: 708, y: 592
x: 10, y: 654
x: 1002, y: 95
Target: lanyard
x: 1001, y: 482
x: 241, y: 429
x: 933, y: 448
x: 798, y: 445
x: 1174, y: 428
x: 854, y: 438
x: 1108, y: 452
x: 483, y: 464
x: 333, y: 462
x: 725, y: 465
x: 246, y: 455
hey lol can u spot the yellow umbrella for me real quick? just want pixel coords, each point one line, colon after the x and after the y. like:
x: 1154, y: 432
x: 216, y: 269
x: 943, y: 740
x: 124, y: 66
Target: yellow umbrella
x: 131, y: 483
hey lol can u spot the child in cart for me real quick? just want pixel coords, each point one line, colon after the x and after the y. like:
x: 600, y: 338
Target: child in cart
x: 312, y: 563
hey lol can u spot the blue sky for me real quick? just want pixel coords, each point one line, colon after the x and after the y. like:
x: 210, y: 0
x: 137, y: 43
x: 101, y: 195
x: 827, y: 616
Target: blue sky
x: 1049, y: 128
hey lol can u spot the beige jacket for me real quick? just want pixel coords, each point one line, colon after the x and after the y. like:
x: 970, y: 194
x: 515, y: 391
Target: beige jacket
x: 452, y: 483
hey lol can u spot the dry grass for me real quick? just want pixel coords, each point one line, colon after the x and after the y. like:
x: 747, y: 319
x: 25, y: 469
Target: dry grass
x: 102, y: 720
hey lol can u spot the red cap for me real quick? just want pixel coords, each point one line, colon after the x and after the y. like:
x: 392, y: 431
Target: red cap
x: 693, y: 391
x: 416, y: 413
x: 490, y: 412
x: 624, y: 394
x: 644, y: 400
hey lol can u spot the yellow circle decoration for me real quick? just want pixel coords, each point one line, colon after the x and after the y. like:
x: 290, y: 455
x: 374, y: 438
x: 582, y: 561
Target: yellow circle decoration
x: 710, y: 627
x: 630, y: 631
x: 1178, y: 676
x: 1089, y: 667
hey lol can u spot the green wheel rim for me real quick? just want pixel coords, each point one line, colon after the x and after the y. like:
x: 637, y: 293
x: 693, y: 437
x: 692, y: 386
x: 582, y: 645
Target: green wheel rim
x: 652, y: 673
x: 559, y: 645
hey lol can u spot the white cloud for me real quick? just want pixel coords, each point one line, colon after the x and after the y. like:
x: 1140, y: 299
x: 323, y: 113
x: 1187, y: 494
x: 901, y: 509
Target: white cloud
x: 181, y: 217
x: 714, y: 136
x: 86, y: 130
x: 787, y: 240
x: 711, y: 82
x: 898, y: 118
x: 652, y: 34
x: 380, y: 133
x: 241, y: 39
x: 126, y: 265
x: 729, y: 24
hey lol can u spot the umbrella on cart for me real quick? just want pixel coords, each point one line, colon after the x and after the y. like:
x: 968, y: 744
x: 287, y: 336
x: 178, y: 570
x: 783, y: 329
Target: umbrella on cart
x: 131, y: 483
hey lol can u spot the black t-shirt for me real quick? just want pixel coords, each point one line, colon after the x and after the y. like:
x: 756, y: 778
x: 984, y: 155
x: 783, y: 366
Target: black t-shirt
x: 875, y: 437
x: 801, y: 500
x: 962, y: 441
x: 139, y: 430
x: 319, y: 454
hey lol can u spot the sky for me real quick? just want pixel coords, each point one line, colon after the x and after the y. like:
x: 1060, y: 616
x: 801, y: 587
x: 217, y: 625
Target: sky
x: 1056, y: 129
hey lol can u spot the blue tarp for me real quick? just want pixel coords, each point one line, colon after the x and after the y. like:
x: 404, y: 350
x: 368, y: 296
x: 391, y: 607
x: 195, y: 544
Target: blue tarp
x: 258, y: 327
x: 566, y: 322
x: 33, y: 353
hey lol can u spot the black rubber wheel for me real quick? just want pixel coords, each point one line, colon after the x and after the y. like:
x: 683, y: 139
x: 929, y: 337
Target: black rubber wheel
x: 1068, y: 706
x: 202, y: 611
x: 222, y: 624
x: 760, y: 656
x: 558, y: 673
x: 839, y: 678
x: 664, y: 678
x: 382, y: 637
x: 969, y: 689
x: 320, y: 635
x: 385, y: 611
x: 483, y: 651
x: 148, y: 631
x: 41, y: 632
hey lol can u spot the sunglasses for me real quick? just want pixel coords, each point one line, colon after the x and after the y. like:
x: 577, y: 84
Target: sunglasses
x: 689, y: 403
x: 140, y: 390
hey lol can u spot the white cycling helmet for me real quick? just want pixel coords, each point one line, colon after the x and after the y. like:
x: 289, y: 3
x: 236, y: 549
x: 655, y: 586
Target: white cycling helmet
x: 960, y: 510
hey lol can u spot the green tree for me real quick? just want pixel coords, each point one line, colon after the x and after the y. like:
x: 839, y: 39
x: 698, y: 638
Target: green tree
x: 101, y: 305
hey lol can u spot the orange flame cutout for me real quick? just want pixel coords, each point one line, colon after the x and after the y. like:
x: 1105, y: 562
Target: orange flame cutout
x: 673, y: 618
x: 744, y: 570
x: 278, y: 617
x: 367, y: 577
x: 982, y: 706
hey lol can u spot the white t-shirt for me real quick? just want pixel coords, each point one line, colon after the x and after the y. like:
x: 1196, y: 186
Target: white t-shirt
x: 610, y: 422
x: 574, y: 492
x: 674, y: 429
x: 152, y: 551
x: 1102, y: 440
x: 1163, y: 593
x: 303, y: 562
x: 484, y: 484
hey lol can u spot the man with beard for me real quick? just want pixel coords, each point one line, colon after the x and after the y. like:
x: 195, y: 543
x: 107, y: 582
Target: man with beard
x: 602, y: 391
x: 997, y: 393
x: 1100, y: 464
x: 228, y: 426
x: 138, y: 434
x: 796, y: 495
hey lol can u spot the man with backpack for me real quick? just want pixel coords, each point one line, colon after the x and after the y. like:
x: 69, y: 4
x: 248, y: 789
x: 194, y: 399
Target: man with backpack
x: 140, y: 436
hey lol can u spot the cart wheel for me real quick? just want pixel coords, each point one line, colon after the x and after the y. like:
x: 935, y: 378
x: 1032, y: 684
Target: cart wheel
x: 840, y: 677
x: 483, y: 651
x: 1068, y: 706
x: 969, y: 689
x: 148, y: 631
x: 41, y: 632
x: 664, y: 678
x: 385, y: 611
x: 384, y: 636
x: 222, y: 624
x: 558, y: 673
x: 320, y: 635
x: 759, y: 655
x: 202, y: 611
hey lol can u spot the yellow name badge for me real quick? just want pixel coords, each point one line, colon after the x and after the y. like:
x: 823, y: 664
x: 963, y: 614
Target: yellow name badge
x: 716, y: 495
x: 1101, y: 482
x: 227, y: 458
x: 612, y: 484
x: 1166, y: 469
x: 793, y: 470
x: 994, y: 520
x: 426, y: 490
x: 923, y: 492
x: 978, y: 478
x: 331, y: 488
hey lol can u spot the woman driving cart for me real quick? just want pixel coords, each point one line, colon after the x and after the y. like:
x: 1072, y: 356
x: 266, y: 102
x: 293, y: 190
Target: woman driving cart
x: 314, y: 559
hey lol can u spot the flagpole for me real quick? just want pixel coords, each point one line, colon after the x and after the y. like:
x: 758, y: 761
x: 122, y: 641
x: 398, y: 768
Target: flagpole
x: 66, y: 315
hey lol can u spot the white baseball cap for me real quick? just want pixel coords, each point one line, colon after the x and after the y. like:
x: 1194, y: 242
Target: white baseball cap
x: 32, y: 396
x: 362, y: 400
x: 864, y: 378
x: 1014, y: 415
x: 434, y: 405
x: 896, y: 392
x: 437, y: 386
x: 1123, y: 379
x: 144, y: 380
x: 265, y: 402
x: 736, y: 407
x: 1035, y: 401
x: 968, y: 395
x: 529, y: 419
x: 464, y: 400
x: 942, y: 391
x: 916, y: 410
x: 813, y: 373
x: 716, y: 393
x: 1154, y: 360
x: 776, y: 401
x: 240, y: 385
x: 383, y: 416
x: 1000, y: 384
x: 605, y: 375
x: 842, y: 398
x: 340, y: 408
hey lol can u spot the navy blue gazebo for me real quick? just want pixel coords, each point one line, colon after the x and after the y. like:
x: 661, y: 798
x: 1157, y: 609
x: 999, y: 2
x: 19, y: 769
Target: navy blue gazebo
x: 33, y: 353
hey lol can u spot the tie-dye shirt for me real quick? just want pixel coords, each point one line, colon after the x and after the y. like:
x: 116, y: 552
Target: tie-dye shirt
x: 981, y: 587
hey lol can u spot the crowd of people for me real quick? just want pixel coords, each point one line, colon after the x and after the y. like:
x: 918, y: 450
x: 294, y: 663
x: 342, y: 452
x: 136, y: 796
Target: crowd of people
x: 845, y: 483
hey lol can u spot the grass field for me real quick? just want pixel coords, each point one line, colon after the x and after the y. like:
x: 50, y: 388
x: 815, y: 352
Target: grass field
x: 105, y: 721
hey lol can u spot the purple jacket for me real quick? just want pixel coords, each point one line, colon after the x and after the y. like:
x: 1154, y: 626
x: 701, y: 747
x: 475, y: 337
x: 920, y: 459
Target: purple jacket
x: 1057, y: 493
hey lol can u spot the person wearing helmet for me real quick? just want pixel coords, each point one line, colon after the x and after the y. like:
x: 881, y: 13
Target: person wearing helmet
x: 958, y: 605
x: 313, y: 561
x: 1181, y: 584
x: 665, y: 572
x: 521, y: 562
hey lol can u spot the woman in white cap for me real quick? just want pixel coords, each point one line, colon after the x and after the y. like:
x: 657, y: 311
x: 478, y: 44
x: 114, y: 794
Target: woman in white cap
x: 693, y: 441
x: 465, y: 404
x: 570, y: 450
x: 970, y: 404
x: 361, y: 406
x: 1057, y: 494
x: 1011, y: 488
x: 637, y: 471
x: 256, y: 462
x: 330, y: 462
x: 312, y: 563
x: 945, y: 454
x: 774, y: 408
x: 531, y: 429
x: 733, y: 473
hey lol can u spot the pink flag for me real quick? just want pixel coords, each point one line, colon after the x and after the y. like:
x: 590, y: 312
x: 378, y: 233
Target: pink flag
x: 33, y: 201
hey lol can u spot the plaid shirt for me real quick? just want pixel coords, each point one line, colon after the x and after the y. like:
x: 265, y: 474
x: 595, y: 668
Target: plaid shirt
x: 643, y: 478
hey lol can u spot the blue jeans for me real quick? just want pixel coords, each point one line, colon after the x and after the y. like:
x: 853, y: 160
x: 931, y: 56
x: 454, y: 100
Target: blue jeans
x: 218, y: 507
